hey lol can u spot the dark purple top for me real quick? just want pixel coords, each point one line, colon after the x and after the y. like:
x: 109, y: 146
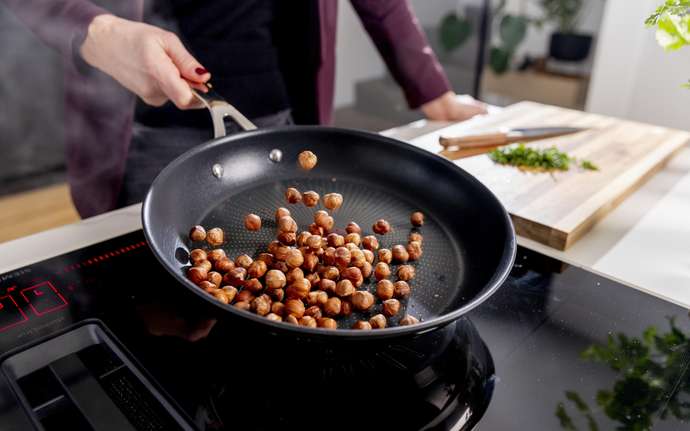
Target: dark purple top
x: 98, y: 111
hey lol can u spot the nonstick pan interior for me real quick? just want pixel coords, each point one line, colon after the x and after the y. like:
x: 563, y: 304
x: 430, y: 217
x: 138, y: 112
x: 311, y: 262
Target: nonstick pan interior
x: 468, y: 239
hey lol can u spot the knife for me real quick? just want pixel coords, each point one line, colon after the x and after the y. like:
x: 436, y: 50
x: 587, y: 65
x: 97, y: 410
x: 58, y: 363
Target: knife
x: 509, y: 137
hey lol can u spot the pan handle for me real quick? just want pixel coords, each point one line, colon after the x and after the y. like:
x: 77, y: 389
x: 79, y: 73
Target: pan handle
x: 220, y: 109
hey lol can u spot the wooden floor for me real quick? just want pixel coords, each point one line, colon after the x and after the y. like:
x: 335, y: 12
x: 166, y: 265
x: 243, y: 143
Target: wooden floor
x: 26, y: 213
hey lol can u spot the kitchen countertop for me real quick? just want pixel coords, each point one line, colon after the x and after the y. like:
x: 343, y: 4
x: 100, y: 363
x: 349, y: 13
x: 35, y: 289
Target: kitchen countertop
x: 644, y: 243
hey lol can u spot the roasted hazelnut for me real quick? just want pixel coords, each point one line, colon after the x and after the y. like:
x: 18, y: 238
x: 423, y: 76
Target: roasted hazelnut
x: 331, y: 273
x: 314, y: 242
x: 282, y: 252
x: 381, y: 227
x: 276, y: 294
x: 334, y: 240
x: 358, y: 259
x: 370, y: 242
x: 287, y: 238
x: 257, y: 269
x: 273, y: 246
x: 224, y: 265
x: 345, y: 308
x: 253, y: 285
x: 230, y: 292
x: 329, y: 256
x: 294, y: 307
x: 243, y: 305
x: 344, y: 288
x: 197, y: 255
x: 315, y: 229
x: 215, y: 237
x: 382, y: 271
x: 215, y: 277
x: 287, y: 224
x: 294, y: 258
x: 333, y: 201
x: 243, y: 261
x: 408, y: 320
x: 313, y: 279
x: 307, y: 160
x: 328, y: 224
x: 406, y: 272
x: 327, y: 323
x: 354, y: 275
x: 310, y: 262
x: 308, y: 321
x: 353, y: 238
x: 332, y: 306
x: 321, y: 219
x: 368, y: 256
x: 327, y: 285
x: 302, y: 237
x: 235, y: 277
x: 282, y: 212
x: 313, y: 311
x: 261, y: 305
x: 291, y: 320
x: 294, y: 274
x: 414, y: 250
x: 417, y: 219
x: 207, y: 286
x: 400, y: 254
x: 293, y: 195
x: 384, y: 289
x: 197, y: 274
x: 353, y: 227
x: 362, y: 325
x: 277, y: 307
x: 317, y: 297
x: 362, y: 300
x: 245, y: 295
x: 310, y: 198
x: 221, y: 296
x: 342, y: 256
x: 205, y: 264
x: 252, y: 222
x: 299, y: 289
x: 415, y: 236
x: 274, y: 317
x: 378, y: 321
x: 280, y: 266
x: 390, y: 307
x: 197, y: 233
x: 401, y: 289
x: 275, y: 279
x: 385, y: 255
x: 366, y: 269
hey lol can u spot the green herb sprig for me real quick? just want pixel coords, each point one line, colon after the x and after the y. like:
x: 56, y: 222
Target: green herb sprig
x: 537, y: 159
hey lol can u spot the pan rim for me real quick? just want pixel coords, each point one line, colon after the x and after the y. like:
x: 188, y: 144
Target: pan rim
x: 506, y: 260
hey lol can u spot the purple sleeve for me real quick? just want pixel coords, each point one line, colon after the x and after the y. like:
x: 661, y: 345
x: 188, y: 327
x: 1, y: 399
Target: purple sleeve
x: 392, y: 26
x: 58, y: 23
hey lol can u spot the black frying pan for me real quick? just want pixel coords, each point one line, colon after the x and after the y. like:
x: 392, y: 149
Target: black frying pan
x: 469, y: 242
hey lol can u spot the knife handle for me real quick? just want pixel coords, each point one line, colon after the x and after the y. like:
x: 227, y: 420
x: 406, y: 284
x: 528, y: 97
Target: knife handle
x: 476, y: 141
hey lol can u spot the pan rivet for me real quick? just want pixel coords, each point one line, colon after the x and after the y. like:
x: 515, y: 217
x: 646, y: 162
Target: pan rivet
x: 217, y: 170
x: 275, y: 155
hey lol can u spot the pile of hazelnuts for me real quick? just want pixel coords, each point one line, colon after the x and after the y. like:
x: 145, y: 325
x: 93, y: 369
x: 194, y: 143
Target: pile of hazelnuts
x: 313, y: 277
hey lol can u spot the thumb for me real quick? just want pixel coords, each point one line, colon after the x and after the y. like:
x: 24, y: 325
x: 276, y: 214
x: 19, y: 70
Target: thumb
x: 185, y: 62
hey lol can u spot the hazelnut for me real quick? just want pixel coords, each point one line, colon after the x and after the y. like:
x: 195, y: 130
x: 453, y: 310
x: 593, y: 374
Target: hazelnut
x: 273, y: 246
x: 243, y: 305
x: 275, y: 279
x: 197, y: 233
x: 299, y: 289
x: 215, y: 237
x: 331, y: 273
x: 294, y: 274
x: 274, y: 317
x: 362, y: 300
x: 333, y: 201
x: 302, y: 237
x: 362, y: 324
x: 408, y: 320
x: 382, y: 271
x: 215, y: 278
x: 353, y: 227
x: 235, y: 277
x: 406, y: 272
x: 205, y: 264
x: 345, y: 308
x: 221, y: 296
x: 287, y: 238
x: 197, y: 274
x: 332, y: 306
x: 384, y: 289
x: 358, y: 259
x: 280, y: 266
x: 308, y: 321
x: 310, y: 262
x: 326, y: 323
x: 354, y: 275
x: 385, y: 255
x: 291, y: 320
x: 207, y: 286
x: 415, y: 236
x: 245, y: 295
x: 293, y: 195
x: 378, y: 321
x: 318, y: 297
x: 310, y: 198
x: 368, y: 256
x: 314, y: 242
x: 224, y: 265
x: 400, y: 254
x: 401, y: 289
x: 390, y: 307
x: 344, y: 288
x: 381, y: 227
x: 329, y: 256
x: 315, y: 229
x: 367, y: 269
x: 282, y: 252
x: 327, y: 285
x: 282, y: 212
x: 417, y: 219
x: 277, y: 307
x: 252, y: 222
x: 353, y: 238
x: 230, y: 292
x: 276, y: 294
x: 414, y: 250
x: 287, y: 224
x: 257, y: 269
x: 294, y: 307
x: 313, y: 311
x: 328, y: 224
x: 261, y: 305
x: 342, y: 256
x: 307, y: 160
x: 197, y: 255
x: 294, y: 258
x: 335, y: 240
x: 313, y: 279
x: 243, y: 261
x: 253, y: 285
x: 370, y: 242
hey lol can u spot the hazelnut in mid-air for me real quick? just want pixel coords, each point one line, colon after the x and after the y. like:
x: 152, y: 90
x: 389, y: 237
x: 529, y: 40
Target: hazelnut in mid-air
x: 307, y: 160
x: 252, y: 222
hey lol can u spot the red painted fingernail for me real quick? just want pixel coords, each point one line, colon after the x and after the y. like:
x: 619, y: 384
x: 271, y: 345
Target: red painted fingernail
x: 200, y: 71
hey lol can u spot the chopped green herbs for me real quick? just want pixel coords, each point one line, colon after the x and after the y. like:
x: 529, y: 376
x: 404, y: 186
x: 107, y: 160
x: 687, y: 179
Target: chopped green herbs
x: 537, y: 159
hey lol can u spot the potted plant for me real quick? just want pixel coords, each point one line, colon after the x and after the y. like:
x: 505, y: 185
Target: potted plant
x: 672, y: 22
x: 566, y: 44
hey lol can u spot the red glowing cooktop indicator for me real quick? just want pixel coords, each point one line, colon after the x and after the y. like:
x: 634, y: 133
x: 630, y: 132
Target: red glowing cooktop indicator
x: 10, y: 313
x: 43, y: 298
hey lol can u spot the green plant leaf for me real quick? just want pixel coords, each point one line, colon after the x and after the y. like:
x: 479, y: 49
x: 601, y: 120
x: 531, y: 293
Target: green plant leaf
x: 454, y: 31
x: 513, y: 30
x: 673, y: 32
x: 499, y: 60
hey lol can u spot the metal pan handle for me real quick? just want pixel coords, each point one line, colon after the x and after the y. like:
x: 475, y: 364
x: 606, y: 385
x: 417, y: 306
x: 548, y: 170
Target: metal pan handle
x: 220, y: 109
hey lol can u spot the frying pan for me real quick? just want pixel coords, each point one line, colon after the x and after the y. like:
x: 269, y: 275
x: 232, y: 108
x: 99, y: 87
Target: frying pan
x: 469, y: 242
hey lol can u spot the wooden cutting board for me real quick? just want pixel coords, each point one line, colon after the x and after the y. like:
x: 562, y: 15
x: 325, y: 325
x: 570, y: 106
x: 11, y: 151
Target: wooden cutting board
x: 557, y: 209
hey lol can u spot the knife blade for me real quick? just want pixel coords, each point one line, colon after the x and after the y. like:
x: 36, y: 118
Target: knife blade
x: 504, y: 138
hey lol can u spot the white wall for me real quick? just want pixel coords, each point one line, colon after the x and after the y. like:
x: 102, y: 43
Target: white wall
x: 633, y: 77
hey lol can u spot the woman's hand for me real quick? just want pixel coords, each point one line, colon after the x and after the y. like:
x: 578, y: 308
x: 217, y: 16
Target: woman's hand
x: 149, y: 61
x: 450, y: 107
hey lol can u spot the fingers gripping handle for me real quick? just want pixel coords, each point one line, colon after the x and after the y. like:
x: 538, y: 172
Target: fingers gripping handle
x: 220, y: 109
